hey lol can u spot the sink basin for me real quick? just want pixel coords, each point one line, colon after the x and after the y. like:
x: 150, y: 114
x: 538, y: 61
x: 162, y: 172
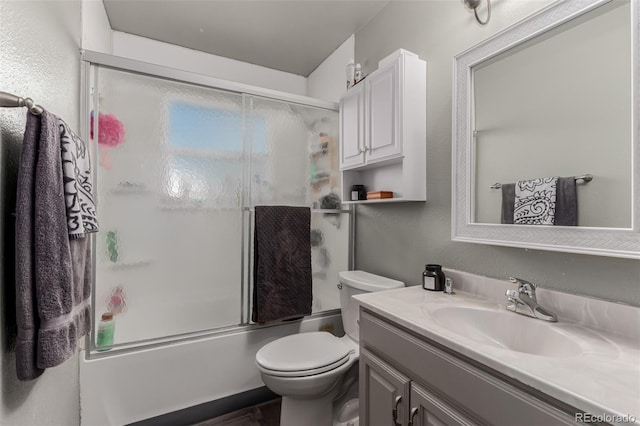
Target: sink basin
x: 507, y: 330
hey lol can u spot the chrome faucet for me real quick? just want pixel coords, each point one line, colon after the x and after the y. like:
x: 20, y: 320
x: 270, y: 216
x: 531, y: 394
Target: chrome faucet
x: 523, y: 301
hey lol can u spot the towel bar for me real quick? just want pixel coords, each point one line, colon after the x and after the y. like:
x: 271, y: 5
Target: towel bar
x: 585, y: 178
x: 7, y: 100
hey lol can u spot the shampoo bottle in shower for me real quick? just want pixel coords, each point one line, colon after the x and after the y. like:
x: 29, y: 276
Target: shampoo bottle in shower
x: 106, y: 331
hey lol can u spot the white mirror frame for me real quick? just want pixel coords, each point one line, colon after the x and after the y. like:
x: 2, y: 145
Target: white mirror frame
x: 615, y: 242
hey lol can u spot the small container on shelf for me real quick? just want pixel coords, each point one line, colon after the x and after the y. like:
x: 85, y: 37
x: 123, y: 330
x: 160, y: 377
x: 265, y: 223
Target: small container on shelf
x: 351, y: 68
x: 377, y: 195
x: 358, y: 192
x: 357, y: 74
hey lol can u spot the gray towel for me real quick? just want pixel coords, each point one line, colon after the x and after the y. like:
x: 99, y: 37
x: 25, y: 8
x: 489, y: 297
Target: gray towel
x: 282, y: 284
x: 52, y: 273
x: 508, y: 202
x: 566, y: 202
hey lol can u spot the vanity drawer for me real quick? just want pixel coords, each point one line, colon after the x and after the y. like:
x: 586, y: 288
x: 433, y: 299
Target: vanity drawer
x: 482, y: 394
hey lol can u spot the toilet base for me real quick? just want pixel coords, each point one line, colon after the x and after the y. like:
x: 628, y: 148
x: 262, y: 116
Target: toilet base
x: 348, y: 414
x: 308, y: 412
x: 327, y: 409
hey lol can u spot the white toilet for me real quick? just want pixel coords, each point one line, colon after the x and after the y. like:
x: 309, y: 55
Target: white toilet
x: 309, y: 369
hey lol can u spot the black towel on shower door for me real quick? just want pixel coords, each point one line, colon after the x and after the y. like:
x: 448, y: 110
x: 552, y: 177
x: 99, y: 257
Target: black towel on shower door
x: 282, y: 264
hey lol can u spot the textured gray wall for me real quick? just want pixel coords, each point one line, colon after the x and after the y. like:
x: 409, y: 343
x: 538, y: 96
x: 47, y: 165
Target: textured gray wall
x: 39, y: 58
x: 398, y: 239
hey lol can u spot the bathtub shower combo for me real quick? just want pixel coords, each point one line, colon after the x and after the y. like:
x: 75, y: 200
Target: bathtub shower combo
x: 181, y: 162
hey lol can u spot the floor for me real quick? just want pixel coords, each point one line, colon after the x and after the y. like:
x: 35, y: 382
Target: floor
x: 267, y: 414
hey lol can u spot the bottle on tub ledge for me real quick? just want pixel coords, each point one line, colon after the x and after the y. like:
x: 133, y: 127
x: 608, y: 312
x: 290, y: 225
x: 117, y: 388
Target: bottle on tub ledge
x: 433, y: 278
x: 106, y: 331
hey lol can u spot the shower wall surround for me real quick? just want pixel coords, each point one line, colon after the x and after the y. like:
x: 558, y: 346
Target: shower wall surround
x: 176, y: 193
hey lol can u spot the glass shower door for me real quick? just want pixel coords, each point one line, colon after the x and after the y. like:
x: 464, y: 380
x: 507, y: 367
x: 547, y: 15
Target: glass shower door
x: 170, y: 185
x: 293, y: 160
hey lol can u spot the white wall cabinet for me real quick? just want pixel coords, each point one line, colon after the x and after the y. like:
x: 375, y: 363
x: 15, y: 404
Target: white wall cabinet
x: 383, y: 130
x: 383, y: 92
x: 352, y: 128
x: 407, y: 380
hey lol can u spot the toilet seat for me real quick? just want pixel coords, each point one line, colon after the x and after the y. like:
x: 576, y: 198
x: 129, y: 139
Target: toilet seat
x: 305, y: 373
x: 304, y: 354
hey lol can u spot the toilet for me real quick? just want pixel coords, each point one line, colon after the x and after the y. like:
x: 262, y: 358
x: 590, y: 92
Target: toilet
x: 315, y: 371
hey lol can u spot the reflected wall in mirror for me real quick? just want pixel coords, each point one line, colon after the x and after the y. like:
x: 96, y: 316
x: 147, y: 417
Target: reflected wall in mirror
x: 559, y: 105
x: 553, y: 95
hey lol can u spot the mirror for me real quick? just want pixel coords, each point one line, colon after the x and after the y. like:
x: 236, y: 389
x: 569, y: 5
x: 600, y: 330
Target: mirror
x: 555, y: 95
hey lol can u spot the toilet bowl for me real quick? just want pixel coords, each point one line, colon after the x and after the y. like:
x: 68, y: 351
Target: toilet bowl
x: 309, y: 369
x: 306, y: 365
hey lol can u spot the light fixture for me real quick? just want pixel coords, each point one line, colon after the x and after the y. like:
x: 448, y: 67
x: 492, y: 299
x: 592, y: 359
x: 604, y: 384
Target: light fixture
x: 473, y: 4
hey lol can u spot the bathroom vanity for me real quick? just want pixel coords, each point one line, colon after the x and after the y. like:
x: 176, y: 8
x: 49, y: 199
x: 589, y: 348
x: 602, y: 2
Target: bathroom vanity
x: 428, y: 358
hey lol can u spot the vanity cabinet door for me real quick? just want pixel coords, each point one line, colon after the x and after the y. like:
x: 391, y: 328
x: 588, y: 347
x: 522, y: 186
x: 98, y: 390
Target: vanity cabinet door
x: 384, y: 393
x: 428, y: 410
x: 382, y: 99
x: 352, y: 128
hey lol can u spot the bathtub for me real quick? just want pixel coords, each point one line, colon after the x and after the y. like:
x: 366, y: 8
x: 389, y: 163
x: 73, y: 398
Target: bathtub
x: 122, y: 388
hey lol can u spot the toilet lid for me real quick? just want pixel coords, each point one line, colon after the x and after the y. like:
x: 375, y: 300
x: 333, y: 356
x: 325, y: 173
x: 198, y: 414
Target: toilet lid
x: 317, y: 351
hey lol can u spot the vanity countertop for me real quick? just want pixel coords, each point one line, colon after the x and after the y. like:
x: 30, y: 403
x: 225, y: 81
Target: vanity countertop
x: 603, y: 379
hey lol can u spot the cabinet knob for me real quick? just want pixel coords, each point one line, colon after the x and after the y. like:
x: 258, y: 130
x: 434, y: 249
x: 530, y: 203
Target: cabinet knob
x: 395, y: 410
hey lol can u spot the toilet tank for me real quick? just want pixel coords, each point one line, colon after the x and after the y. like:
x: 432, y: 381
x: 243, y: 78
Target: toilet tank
x: 359, y: 282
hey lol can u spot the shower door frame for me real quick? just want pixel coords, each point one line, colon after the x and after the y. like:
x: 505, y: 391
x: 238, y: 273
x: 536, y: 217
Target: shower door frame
x: 89, y: 97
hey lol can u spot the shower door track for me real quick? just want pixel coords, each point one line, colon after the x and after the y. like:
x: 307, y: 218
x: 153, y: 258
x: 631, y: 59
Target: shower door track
x: 124, y: 64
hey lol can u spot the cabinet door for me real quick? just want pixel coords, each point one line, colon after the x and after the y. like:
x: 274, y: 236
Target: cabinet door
x: 384, y: 393
x: 428, y: 410
x: 383, y: 93
x: 352, y: 128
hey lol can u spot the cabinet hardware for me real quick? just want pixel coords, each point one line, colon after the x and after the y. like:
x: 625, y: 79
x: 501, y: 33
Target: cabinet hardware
x: 413, y: 413
x: 395, y: 410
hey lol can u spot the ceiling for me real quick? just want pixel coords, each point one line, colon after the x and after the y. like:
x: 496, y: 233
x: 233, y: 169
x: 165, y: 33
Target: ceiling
x: 288, y: 35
